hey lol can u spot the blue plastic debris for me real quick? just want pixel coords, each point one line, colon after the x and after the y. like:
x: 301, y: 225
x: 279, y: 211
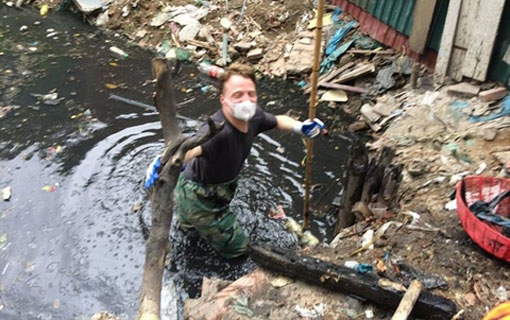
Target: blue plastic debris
x: 459, y: 104
x: 505, y: 111
x: 205, y: 89
x: 338, y: 36
x: 386, y: 255
x: 364, y: 268
x: 336, y: 14
x: 302, y: 83
x: 331, y: 60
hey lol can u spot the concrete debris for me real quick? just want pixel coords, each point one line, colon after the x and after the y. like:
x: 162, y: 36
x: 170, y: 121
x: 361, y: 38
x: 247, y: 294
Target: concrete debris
x: 489, y: 134
x: 367, y: 111
x: 300, y: 59
x: 102, y: 19
x: 6, y: 193
x: 255, y: 54
x: 226, y: 23
x: 161, y: 19
x: 493, y: 94
x: 464, y: 89
x: 185, y: 20
x: 189, y: 32
x: 90, y: 6
x: 315, y: 312
x: 503, y: 157
x: 243, y: 46
x: 358, y: 126
x: 384, y: 109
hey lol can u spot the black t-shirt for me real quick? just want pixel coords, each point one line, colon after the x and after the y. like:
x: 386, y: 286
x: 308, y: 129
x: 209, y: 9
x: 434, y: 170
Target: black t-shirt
x: 223, y: 156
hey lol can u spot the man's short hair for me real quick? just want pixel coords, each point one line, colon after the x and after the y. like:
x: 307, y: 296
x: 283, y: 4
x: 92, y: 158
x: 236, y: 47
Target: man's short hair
x: 238, y: 69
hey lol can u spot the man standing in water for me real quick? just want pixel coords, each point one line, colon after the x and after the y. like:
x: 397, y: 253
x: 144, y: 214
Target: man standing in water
x: 208, y: 183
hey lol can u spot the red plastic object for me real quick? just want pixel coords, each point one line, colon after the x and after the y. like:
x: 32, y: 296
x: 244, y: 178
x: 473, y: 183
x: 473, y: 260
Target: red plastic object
x: 486, y: 235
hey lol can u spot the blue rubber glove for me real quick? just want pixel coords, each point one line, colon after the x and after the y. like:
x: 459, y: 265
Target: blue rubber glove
x: 152, y: 174
x: 309, y: 128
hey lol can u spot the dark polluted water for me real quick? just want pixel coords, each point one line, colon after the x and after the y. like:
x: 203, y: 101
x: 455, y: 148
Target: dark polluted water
x: 71, y: 243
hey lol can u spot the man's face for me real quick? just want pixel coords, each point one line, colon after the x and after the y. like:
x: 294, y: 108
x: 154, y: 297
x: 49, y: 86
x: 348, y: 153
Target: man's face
x: 238, y: 89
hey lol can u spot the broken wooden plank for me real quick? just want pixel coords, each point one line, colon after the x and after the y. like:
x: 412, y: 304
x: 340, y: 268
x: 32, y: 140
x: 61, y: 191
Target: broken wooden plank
x: 355, y: 175
x: 368, y: 52
x: 422, y: 17
x: 468, y: 11
x: 484, y: 30
x: 338, y: 71
x: 408, y: 301
x: 356, y: 73
x: 447, y: 39
x: 348, y: 281
x: 345, y: 87
x: 324, y: 78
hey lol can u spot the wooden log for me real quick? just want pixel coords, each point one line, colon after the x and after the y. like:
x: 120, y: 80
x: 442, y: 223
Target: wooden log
x: 355, y: 175
x: 368, y: 183
x: 390, y: 184
x: 161, y: 194
x: 345, y: 280
x: 375, y: 173
x: 408, y: 301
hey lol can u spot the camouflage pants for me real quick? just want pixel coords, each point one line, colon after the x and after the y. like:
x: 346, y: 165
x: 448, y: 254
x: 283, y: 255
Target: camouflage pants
x: 206, y: 208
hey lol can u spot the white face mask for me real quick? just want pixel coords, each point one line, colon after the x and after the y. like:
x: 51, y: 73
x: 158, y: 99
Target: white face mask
x: 242, y: 110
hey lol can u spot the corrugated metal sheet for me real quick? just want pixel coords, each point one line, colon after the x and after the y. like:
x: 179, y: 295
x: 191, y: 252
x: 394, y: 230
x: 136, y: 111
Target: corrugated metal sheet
x: 366, y: 5
x: 499, y: 69
x: 398, y: 14
x: 384, y: 33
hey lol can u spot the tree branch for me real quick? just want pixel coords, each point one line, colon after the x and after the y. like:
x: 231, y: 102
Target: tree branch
x: 161, y: 194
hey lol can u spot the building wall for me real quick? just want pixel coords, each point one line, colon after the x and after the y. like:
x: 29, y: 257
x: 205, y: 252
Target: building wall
x: 390, y: 23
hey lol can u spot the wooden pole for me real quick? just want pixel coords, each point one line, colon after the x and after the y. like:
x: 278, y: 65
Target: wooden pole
x: 158, y: 245
x: 311, y: 114
x: 408, y: 301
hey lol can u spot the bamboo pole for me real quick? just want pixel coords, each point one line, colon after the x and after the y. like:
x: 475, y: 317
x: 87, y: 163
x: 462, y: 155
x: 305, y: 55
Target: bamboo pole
x: 311, y: 114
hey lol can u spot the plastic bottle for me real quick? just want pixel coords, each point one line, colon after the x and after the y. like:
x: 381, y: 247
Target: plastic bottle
x: 120, y: 52
x: 210, y: 70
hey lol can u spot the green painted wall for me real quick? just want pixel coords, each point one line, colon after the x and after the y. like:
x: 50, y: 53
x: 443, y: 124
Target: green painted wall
x: 499, y: 68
